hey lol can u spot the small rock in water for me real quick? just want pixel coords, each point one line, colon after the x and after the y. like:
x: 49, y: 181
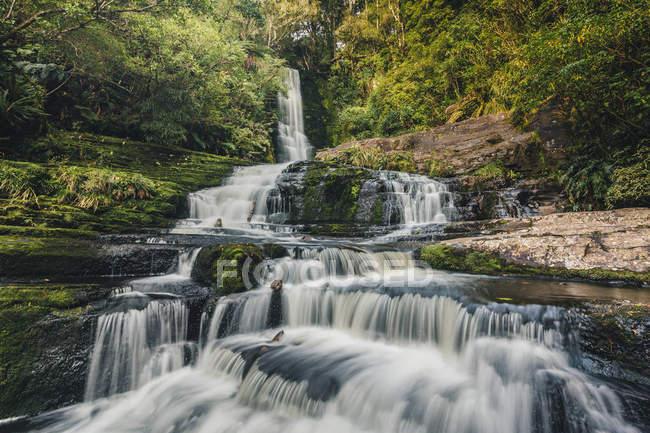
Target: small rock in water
x: 218, y: 223
x: 276, y: 285
x: 278, y: 336
x: 306, y: 238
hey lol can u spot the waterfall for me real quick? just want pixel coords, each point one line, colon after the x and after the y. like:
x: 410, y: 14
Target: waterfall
x: 416, y: 199
x: 246, y: 196
x: 408, y: 317
x: 322, y: 380
x: 242, y: 198
x: 133, y: 347
x: 186, y: 261
x: 293, y: 143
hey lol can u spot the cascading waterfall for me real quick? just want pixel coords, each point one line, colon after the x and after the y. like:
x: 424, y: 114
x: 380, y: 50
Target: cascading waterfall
x: 370, y: 343
x: 293, y: 143
x: 246, y: 196
x: 407, y: 318
x: 416, y: 199
x: 134, y: 346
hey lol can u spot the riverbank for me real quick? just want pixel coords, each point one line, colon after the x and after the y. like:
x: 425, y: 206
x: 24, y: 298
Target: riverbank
x: 597, y: 246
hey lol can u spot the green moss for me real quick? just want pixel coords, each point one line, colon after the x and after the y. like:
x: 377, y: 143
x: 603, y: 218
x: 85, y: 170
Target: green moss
x: 90, y: 182
x: 615, y: 337
x: 274, y: 251
x: 436, y: 168
x: 32, y: 256
x: 37, y: 321
x: 377, y: 212
x: 331, y: 194
x: 441, y: 256
x: 227, y: 267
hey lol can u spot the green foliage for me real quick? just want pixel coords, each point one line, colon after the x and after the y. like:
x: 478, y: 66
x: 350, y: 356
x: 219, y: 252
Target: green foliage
x: 21, y: 99
x: 194, y: 74
x: 586, y: 182
x: 375, y: 158
x: 630, y: 185
x: 437, y: 168
x: 23, y: 180
x: 90, y: 188
x: 139, y: 184
x: 412, y: 65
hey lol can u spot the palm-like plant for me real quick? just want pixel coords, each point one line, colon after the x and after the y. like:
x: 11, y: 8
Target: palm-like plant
x: 20, y: 105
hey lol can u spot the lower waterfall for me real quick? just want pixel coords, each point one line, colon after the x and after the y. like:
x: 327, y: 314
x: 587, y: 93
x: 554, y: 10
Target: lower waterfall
x: 135, y: 346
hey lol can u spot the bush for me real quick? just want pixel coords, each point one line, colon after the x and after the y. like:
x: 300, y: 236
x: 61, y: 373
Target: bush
x: 93, y: 187
x: 23, y: 181
x: 630, y: 187
x: 21, y: 105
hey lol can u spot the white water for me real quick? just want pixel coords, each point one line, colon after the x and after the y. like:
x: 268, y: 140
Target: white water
x: 133, y: 347
x: 244, y: 196
x: 364, y: 350
x: 417, y: 199
x: 322, y: 380
x: 293, y: 143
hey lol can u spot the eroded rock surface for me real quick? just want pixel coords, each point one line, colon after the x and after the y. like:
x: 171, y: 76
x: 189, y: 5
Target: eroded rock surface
x: 471, y: 144
x: 617, y: 240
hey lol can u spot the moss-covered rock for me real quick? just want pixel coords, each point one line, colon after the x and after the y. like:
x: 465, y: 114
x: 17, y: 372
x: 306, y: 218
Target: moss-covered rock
x: 330, y: 194
x: 618, y: 333
x: 442, y: 256
x: 22, y: 256
x: 228, y: 267
x: 45, y: 340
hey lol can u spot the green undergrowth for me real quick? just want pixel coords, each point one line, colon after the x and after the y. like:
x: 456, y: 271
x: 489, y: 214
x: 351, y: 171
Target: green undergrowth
x: 442, y: 256
x: 95, y: 183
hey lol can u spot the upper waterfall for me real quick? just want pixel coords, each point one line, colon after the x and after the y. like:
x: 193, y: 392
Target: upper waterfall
x: 293, y: 144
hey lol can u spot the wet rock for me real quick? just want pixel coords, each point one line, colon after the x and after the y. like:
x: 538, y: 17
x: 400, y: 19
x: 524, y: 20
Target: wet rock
x: 276, y: 285
x: 218, y: 223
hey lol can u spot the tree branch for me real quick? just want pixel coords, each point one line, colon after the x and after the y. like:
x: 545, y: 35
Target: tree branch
x: 28, y: 22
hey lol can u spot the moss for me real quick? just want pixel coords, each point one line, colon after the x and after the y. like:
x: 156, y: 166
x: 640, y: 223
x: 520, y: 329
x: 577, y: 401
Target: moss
x: 32, y: 256
x: 228, y: 267
x: 274, y: 251
x: 614, y: 336
x: 377, y: 212
x: 331, y: 194
x: 441, y: 256
x: 436, y: 168
x: 40, y: 331
x: 147, y: 183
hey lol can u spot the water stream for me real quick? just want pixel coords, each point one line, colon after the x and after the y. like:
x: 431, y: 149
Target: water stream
x: 372, y: 341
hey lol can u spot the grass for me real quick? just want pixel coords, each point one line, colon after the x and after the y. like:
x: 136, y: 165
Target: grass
x: 95, y: 183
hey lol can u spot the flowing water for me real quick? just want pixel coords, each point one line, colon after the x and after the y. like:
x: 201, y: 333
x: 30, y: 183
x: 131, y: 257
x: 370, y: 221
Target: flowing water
x: 371, y: 340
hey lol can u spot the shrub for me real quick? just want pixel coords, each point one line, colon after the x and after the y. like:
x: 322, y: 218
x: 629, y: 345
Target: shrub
x: 92, y: 187
x: 22, y: 180
x: 630, y: 187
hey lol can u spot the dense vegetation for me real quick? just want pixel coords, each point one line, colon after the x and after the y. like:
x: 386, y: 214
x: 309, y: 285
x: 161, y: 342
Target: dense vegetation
x: 390, y: 66
x: 204, y: 74
x: 194, y: 73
